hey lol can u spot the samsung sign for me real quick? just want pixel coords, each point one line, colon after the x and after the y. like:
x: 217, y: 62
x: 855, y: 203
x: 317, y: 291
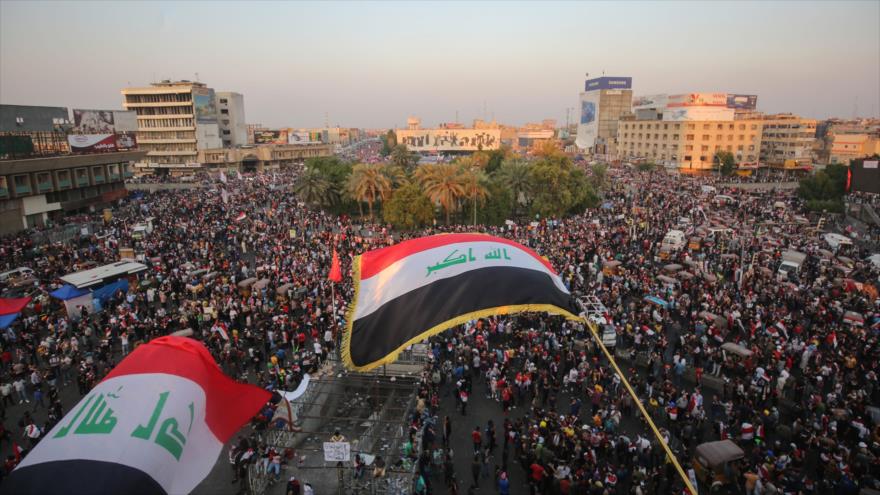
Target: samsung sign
x: 608, y: 83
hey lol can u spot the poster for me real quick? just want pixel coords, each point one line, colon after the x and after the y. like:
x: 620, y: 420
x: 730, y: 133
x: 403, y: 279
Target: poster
x: 204, y: 105
x: 588, y: 125
x: 93, y: 121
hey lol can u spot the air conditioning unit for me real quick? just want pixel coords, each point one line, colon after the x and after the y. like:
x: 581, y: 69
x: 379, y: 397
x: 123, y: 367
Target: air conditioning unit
x: 19, y: 120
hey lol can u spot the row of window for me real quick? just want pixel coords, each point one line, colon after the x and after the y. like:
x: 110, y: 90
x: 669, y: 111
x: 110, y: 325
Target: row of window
x: 167, y: 147
x: 689, y: 137
x: 689, y: 147
x: 159, y: 123
x: 163, y: 98
x: 166, y: 135
x: 47, y: 181
x: 720, y: 127
x: 143, y: 111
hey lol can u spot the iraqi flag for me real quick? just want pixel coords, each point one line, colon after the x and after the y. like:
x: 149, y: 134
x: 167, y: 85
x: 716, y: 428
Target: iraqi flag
x: 155, y: 425
x: 407, y: 292
x: 241, y: 216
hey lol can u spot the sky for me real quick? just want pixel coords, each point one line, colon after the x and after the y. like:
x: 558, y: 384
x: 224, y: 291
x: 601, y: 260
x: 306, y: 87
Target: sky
x: 373, y: 64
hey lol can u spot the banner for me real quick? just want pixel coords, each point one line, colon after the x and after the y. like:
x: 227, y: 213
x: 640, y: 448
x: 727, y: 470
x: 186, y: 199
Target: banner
x: 156, y: 424
x: 410, y: 291
x: 204, y: 105
x: 588, y: 125
x: 608, y: 82
x: 101, y: 143
x: 698, y: 100
x: 270, y: 137
x: 299, y: 138
x: 93, y: 121
x: 742, y: 102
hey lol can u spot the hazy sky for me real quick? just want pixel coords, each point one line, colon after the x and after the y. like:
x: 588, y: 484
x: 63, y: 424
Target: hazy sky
x: 373, y: 64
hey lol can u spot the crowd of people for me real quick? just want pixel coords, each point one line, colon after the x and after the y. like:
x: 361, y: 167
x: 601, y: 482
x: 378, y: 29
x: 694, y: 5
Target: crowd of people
x: 243, y: 265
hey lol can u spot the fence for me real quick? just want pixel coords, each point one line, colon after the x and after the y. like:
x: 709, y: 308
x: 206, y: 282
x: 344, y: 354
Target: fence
x: 66, y: 233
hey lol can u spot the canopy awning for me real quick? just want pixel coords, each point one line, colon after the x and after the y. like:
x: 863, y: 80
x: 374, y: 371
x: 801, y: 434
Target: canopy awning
x: 10, y: 306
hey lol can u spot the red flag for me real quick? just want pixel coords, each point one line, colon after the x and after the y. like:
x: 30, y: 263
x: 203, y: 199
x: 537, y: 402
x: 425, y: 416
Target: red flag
x: 848, y: 179
x: 335, y: 271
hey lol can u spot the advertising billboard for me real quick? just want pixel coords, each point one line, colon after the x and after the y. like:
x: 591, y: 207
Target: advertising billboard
x: 93, y: 121
x: 742, y: 102
x: 608, y: 82
x: 650, y: 101
x: 697, y: 113
x: 265, y: 136
x: 588, y: 125
x: 101, y: 143
x: 205, y: 105
x: 449, y: 139
x: 698, y: 100
x: 299, y: 138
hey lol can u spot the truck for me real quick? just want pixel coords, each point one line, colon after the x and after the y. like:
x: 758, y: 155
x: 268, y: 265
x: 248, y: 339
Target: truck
x: 791, y: 264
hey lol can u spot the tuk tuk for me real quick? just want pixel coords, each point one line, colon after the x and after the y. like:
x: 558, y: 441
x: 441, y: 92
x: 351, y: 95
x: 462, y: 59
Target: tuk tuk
x: 712, y: 461
x: 245, y: 286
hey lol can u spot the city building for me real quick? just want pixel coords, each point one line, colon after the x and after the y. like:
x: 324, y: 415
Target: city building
x: 846, y: 147
x: 175, y: 120
x: 602, y: 103
x: 233, y: 129
x: 689, y: 145
x: 45, y: 169
x: 787, y: 140
x: 261, y: 158
x: 28, y: 130
x: 839, y: 141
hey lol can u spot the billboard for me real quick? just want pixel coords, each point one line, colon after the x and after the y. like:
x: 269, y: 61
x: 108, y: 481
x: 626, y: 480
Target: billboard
x: 742, y: 102
x: 265, y: 136
x: 588, y: 126
x: 101, y: 143
x: 93, y: 121
x: 608, y: 83
x: 449, y: 139
x: 697, y: 113
x: 650, y: 101
x: 299, y: 138
x: 204, y: 105
x: 698, y: 100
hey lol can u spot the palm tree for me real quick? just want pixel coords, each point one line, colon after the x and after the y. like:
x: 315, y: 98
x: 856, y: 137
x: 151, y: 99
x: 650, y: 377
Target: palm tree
x: 369, y: 184
x: 312, y: 187
x: 443, y: 185
x: 516, y: 175
x: 474, y: 179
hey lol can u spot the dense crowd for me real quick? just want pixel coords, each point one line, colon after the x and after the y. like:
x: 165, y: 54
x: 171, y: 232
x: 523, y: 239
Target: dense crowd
x: 243, y: 265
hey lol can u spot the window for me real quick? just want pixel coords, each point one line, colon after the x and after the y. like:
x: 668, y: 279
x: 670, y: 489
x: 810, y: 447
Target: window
x: 705, y: 127
x: 689, y: 137
x: 704, y: 148
x: 225, y: 132
x: 656, y: 136
x: 720, y: 127
x: 742, y: 137
x: 222, y: 100
x: 752, y: 137
x: 687, y: 158
x: 677, y: 126
x: 739, y: 147
x: 688, y: 147
x: 691, y: 126
x: 719, y: 137
x: 731, y: 127
x: 702, y: 158
x: 675, y: 137
x: 754, y: 127
x: 742, y: 127
x: 729, y: 148
x: 705, y: 137
x: 665, y: 126
x: 730, y: 137
x: 224, y: 111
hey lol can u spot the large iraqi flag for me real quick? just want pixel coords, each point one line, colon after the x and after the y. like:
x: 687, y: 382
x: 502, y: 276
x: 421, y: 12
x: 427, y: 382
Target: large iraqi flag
x: 155, y: 425
x: 418, y: 288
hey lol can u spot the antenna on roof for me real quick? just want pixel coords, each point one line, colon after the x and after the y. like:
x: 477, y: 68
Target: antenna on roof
x: 197, y: 77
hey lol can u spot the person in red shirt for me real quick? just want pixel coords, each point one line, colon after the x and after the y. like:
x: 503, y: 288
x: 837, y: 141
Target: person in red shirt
x: 536, y: 477
x: 477, y: 437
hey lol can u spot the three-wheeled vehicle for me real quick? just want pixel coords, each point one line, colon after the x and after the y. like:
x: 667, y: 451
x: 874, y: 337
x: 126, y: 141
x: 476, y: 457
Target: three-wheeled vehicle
x: 712, y: 462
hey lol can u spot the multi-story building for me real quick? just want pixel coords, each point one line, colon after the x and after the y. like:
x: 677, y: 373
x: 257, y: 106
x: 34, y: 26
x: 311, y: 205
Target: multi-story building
x: 603, y: 102
x: 689, y: 145
x: 846, y: 147
x: 233, y: 129
x: 175, y: 119
x: 839, y: 141
x: 28, y: 130
x: 787, y: 138
x: 263, y: 157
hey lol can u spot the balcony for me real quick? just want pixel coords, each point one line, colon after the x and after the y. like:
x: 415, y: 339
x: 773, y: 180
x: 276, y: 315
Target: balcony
x: 114, y: 176
x: 82, y: 181
x: 99, y: 178
x: 44, y: 187
x: 63, y: 183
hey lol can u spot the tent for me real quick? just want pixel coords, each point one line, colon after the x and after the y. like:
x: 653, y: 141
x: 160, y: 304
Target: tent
x: 6, y: 320
x: 106, y: 292
x: 10, y: 309
x: 68, y: 292
x: 657, y: 301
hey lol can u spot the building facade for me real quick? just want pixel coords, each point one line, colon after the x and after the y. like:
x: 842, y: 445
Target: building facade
x: 29, y: 130
x: 786, y: 138
x: 603, y: 102
x: 233, y: 129
x: 175, y: 119
x: 689, y: 145
x: 34, y: 190
x: 261, y: 158
x: 846, y: 147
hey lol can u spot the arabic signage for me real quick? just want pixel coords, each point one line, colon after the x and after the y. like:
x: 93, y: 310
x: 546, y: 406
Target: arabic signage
x: 337, y: 451
x: 450, y: 139
x: 95, y: 143
x: 608, y: 83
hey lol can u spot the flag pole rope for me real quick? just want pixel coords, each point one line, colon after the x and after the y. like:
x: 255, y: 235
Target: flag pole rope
x: 632, y: 393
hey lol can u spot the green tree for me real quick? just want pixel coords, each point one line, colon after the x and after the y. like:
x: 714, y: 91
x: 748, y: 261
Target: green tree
x: 496, y: 158
x: 646, y: 167
x: 403, y: 158
x: 726, y: 162
x: 599, y: 176
x: 408, y: 208
x: 516, y: 176
x: 442, y: 183
x: 314, y: 188
x: 497, y: 206
x: 558, y: 186
x: 474, y: 181
x: 389, y: 141
x: 368, y: 184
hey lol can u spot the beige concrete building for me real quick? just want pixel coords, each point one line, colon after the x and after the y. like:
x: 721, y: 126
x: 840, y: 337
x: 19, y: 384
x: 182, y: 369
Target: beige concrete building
x: 787, y: 137
x: 175, y: 120
x: 846, y: 147
x: 689, y: 145
x: 261, y: 158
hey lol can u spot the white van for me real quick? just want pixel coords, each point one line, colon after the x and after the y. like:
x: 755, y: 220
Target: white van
x: 674, y: 240
x: 20, y: 272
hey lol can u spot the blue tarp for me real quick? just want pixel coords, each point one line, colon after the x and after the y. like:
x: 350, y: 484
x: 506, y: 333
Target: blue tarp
x: 657, y: 300
x: 7, y: 320
x: 105, y: 293
x: 68, y: 292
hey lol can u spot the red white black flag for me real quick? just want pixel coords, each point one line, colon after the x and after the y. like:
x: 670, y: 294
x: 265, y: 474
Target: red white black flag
x: 407, y: 292
x: 156, y: 424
